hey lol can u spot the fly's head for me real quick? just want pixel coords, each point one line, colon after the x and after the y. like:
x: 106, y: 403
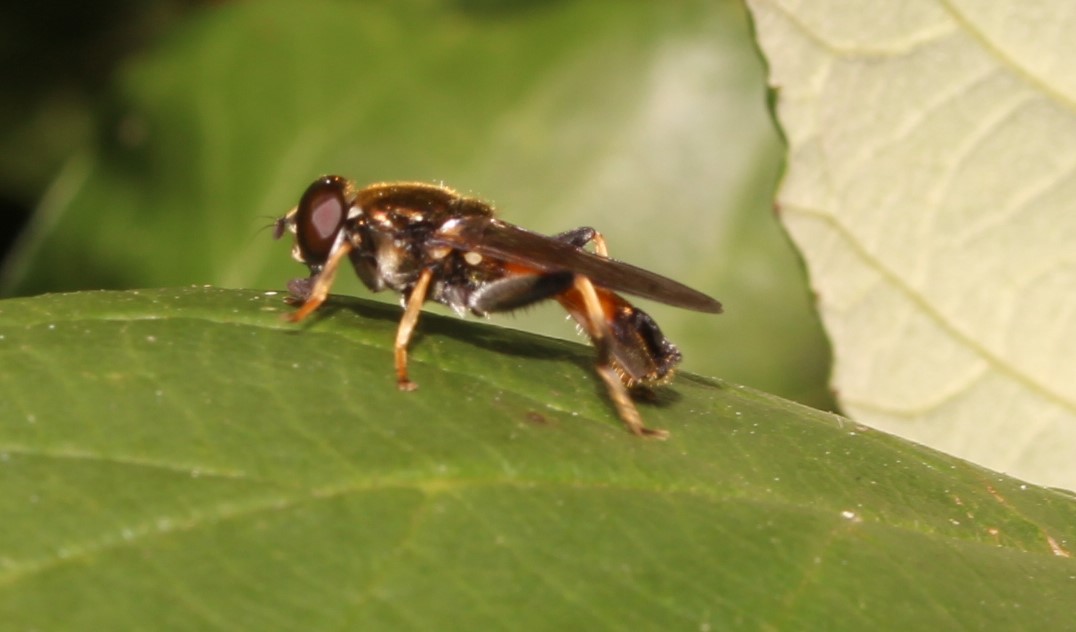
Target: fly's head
x: 320, y: 226
x: 319, y: 222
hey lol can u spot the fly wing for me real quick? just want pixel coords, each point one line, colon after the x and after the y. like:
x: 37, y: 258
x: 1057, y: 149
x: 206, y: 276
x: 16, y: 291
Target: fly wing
x: 500, y: 240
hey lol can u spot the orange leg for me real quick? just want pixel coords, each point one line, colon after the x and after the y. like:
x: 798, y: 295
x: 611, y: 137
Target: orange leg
x: 320, y: 291
x: 595, y: 317
x: 407, y: 325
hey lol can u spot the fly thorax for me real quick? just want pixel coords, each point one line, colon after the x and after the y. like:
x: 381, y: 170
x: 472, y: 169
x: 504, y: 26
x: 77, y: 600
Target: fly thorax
x: 395, y: 264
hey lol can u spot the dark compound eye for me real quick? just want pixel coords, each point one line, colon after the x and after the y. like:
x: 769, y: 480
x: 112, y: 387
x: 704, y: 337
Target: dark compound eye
x: 321, y: 215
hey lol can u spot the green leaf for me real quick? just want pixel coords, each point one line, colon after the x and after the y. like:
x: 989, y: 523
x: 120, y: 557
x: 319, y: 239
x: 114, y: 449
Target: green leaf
x: 184, y: 459
x: 645, y: 120
x: 930, y: 187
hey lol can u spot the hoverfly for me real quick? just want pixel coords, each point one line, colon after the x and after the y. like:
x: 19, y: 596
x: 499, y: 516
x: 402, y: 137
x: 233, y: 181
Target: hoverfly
x: 427, y: 242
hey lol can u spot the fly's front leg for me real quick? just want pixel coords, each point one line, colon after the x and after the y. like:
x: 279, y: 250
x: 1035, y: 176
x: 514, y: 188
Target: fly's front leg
x: 316, y: 290
x: 599, y: 333
x: 580, y: 237
x: 407, y: 325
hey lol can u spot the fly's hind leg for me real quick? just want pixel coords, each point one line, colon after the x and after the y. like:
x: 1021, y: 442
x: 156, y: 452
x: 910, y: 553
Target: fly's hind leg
x: 599, y: 333
x: 515, y: 292
x: 519, y: 291
x: 580, y: 237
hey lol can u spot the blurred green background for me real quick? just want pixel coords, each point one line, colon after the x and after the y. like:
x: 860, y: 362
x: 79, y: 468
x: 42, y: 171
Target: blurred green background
x: 153, y: 141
